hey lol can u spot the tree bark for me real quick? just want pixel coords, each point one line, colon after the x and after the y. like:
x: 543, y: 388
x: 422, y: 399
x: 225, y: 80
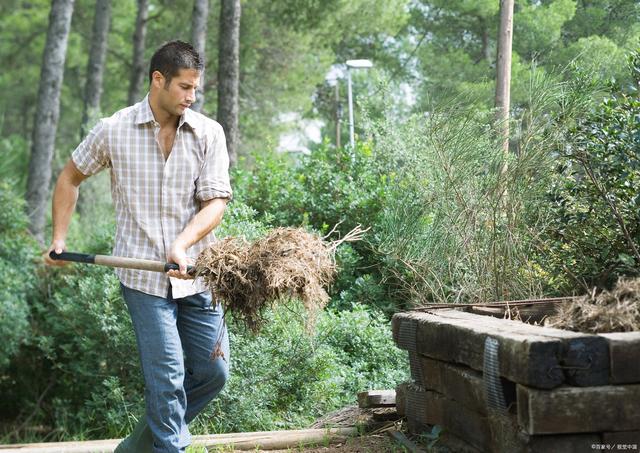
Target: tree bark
x: 486, y: 53
x: 137, y: 65
x: 95, y: 66
x: 503, y: 79
x: 229, y: 73
x: 47, y: 114
x: 198, y: 40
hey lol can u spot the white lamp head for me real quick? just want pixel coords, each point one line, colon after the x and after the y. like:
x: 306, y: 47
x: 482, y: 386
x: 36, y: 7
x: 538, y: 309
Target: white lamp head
x: 356, y: 64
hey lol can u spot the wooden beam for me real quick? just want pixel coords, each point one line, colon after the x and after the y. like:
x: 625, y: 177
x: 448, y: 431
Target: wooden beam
x: 622, y: 438
x: 579, y: 409
x: 461, y: 383
x: 565, y: 443
x: 624, y: 353
x: 537, y: 356
x: 377, y: 398
x: 265, y: 440
x: 401, y: 399
x: 426, y: 407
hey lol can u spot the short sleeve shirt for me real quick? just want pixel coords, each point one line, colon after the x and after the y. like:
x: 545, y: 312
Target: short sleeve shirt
x: 155, y: 199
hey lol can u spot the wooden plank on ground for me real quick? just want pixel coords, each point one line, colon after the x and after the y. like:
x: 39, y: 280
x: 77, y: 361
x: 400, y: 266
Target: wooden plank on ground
x: 579, y: 409
x: 377, y: 398
x: 91, y: 446
x: 624, y: 352
x: 536, y: 356
x: 265, y: 440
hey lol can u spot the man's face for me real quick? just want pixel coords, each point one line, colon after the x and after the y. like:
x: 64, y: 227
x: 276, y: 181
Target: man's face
x: 180, y: 93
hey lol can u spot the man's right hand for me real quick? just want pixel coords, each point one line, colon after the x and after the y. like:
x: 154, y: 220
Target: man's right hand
x: 59, y: 246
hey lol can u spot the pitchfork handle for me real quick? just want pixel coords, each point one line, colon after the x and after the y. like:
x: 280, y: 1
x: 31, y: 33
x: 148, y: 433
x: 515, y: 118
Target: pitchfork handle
x: 118, y: 261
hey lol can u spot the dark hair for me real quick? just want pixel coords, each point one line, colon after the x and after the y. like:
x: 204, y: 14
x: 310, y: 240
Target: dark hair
x: 172, y: 57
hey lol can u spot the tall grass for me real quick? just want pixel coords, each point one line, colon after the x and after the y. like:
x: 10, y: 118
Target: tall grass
x: 466, y: 217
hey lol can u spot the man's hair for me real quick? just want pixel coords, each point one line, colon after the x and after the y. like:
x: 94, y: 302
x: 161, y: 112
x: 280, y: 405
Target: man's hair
x: 172, y: 57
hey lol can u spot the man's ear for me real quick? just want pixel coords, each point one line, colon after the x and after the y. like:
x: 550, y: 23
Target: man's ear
x: 157, y: 79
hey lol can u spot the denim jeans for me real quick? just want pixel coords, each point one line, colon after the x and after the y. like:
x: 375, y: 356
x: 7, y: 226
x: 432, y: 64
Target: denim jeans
x: 177, y: 341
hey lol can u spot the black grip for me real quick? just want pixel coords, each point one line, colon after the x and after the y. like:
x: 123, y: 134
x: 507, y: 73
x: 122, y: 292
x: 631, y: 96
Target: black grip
x: 174, y: 267
x: 70, y: 256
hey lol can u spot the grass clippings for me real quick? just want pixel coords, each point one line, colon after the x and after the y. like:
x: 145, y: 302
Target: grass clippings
x: 288, y: 263
x: 617, y: 310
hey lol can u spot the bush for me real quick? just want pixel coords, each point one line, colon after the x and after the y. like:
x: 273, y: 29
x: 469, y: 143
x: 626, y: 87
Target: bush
x: 331, y: 187
x: 18, y: 251
x: 595, y: 235
x: 285, y: 377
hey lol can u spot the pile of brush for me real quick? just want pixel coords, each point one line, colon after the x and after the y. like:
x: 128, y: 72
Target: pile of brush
x: 287, y: 263
x: 617, y: 310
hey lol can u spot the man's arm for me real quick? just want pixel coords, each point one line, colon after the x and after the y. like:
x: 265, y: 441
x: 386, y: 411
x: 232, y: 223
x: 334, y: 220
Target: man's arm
x: 209, y: 217
x: 65, y: 196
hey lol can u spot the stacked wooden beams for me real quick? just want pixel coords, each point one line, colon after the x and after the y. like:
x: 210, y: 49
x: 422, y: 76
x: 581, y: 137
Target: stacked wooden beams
x: 556, y: 390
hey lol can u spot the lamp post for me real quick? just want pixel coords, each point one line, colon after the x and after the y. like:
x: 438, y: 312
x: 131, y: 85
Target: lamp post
x: 355, y: 64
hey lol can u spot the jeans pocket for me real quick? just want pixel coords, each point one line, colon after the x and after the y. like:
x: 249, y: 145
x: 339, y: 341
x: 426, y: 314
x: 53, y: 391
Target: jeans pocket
x: 203, y: 301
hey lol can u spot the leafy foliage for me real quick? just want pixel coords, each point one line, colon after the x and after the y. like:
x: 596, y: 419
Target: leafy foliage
x: 595, y: 235
x: 294, y: 377
x: 330, y: 188
x: 78, y: 375
x: 17, y: 253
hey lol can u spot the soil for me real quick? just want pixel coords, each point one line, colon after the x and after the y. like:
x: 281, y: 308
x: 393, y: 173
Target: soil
x: 364, y: 444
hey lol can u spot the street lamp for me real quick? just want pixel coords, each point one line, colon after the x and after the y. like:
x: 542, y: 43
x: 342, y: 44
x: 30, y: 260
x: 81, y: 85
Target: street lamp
x: 355, y: 64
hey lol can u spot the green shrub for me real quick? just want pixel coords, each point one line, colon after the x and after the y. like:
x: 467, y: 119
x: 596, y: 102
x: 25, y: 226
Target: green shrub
x: 331, y: 187
x: 18, y: 252
x: 595, y: 235
x: 85, y: 344
x: 285, y: 377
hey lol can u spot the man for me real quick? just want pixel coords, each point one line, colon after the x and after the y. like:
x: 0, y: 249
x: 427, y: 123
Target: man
x: 170, y: 185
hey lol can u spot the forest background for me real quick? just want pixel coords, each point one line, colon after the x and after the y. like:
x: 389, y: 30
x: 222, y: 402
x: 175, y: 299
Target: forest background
x: 451, y: 217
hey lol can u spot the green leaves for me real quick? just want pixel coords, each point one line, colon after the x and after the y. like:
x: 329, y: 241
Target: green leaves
x: 595, y: 197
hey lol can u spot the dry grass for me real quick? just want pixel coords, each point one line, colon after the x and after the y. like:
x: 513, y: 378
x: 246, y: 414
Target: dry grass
x: 287, y: 263
x: 617, y: 310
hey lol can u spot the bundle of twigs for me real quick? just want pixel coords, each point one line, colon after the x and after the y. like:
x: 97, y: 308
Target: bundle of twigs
x: 617, y: 310
x: 287, y: 263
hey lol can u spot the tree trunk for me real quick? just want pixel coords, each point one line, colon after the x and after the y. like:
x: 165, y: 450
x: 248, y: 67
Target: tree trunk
x: 137, y: 65
x: 95, y: 67
x: 486, y: 54
x: 198, y: 40
x: 503, y: 79
x: 47, y: 114
x: 229, y: 73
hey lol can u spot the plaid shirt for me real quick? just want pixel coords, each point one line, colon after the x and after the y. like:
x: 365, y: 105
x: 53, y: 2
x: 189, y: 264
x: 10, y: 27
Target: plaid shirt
x: 155, y: 200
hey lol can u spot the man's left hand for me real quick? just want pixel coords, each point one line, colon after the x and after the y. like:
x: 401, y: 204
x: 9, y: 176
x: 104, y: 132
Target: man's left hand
x: 178, y: 255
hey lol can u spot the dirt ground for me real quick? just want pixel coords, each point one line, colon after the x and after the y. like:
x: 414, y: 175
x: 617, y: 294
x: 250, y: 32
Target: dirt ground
x: 364, y: 444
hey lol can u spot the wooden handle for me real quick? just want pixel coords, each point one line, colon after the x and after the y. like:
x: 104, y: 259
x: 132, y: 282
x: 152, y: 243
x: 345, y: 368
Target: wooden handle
x: 118, y: 261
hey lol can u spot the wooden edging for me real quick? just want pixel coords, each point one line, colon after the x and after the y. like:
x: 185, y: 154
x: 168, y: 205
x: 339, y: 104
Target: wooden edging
x: 265, y: 440
x: 536, y: 356
x: 579, y: 409
x: 377, y: 398
x: 495, y: 431
x: 624, y: 352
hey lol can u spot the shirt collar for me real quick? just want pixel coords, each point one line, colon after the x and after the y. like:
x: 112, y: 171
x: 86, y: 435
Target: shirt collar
x: 191, y: 119
x: 144, y: 115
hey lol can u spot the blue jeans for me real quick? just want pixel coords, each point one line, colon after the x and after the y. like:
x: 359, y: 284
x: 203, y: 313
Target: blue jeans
x: 177, y: 341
